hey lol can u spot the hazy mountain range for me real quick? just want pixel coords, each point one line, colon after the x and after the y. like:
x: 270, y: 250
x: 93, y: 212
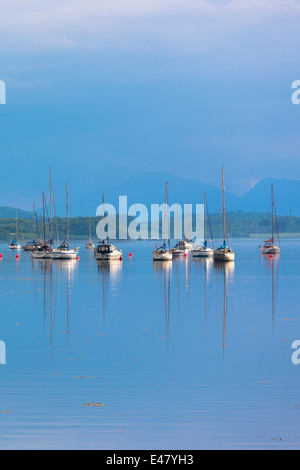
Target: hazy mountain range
x: 150, y: 188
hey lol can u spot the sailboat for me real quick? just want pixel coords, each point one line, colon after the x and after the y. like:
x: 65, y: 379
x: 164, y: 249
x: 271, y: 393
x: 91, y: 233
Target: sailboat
x: 44, y: 250
x: 177, y: 251
x: 162, y: 254
x: 269, y: 247
x: 203, y: 251
x: 186, y: 244
x: 15, y: 245
x: 32, y: 246
x: 64, y: 252
x: 224, y: 252
x: 106, y: 251
x: 90, y: 245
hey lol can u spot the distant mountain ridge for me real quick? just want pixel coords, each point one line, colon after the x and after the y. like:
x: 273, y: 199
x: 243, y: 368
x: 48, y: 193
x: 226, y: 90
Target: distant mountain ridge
x: 287, y: 197
x: 149, y: 188
x: 10, y: 213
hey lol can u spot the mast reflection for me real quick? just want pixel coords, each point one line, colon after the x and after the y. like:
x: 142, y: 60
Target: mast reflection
x: 273, y: 264
x: 227, y: 271
x: 108, y: 272
x: 164, y: 270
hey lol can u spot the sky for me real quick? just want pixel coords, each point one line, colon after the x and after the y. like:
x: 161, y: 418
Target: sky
x: 103, y: 90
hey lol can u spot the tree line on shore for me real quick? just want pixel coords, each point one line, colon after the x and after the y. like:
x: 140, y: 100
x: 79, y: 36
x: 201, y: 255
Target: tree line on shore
x: 240, y: 224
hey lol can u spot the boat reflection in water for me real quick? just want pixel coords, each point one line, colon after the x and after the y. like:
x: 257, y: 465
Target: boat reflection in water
x: 109, y: 275
x: 273, y: 265
x: 111, y: 270
x: 51, y: 276
x: 163, y: 272
x: 206, y: 265
x: 226, y: 270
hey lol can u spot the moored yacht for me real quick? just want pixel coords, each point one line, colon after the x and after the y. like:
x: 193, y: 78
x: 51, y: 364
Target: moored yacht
x: 90, y: 245
x: 269, y: 247
x: 64, y: 252
x: 106, y: 252
x: 185, y: 245
x: 15, y: 245
x: 177, y: 251
x: 32, y: 246
x: 162, y: 254
x: 224, y: 252
x: 203, y: 251
x: 44, y: 249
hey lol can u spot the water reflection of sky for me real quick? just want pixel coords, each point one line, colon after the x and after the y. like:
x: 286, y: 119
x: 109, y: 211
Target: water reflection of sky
x: 188, y: 354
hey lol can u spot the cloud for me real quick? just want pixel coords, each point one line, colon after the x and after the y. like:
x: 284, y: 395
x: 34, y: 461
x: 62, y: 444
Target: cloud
x: 184, y: 26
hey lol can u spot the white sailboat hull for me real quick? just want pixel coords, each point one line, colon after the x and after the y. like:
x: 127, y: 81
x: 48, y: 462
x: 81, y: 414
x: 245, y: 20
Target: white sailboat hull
x: 274, y: 250
x: 223, y: 256
x: 202, y: 253
x: 41, y: 255
x: 177, y: 252
x: 18, y: 247
x: 159, y: 256
x: 186, y: 246
x: 90, y: 246
x: 68, y: 254
x: 108, y: 256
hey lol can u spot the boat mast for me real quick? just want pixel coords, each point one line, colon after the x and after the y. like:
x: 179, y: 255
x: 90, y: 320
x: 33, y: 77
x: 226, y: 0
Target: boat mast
x: 275, y: 215
x: 224, y: 206
x: 166, y: 199
x: 205, y: 228
x: 17, y: 221
x: 44, y: 220
x: 272, y: 213
x: 34, y: 221
x: 68, y: 232
x: 103, y: 214
x: 51, y: 205
x: 53, y: 210
x: 90, y: 229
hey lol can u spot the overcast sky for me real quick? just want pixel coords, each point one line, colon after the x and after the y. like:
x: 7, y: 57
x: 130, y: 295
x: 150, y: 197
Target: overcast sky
x: 105, y: 89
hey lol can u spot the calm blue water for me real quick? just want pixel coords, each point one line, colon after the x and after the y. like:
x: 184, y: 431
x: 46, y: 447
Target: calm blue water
x: 184, y: 355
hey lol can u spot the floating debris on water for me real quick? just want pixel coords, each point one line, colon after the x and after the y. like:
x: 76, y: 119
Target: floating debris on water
x: 93, y: 405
